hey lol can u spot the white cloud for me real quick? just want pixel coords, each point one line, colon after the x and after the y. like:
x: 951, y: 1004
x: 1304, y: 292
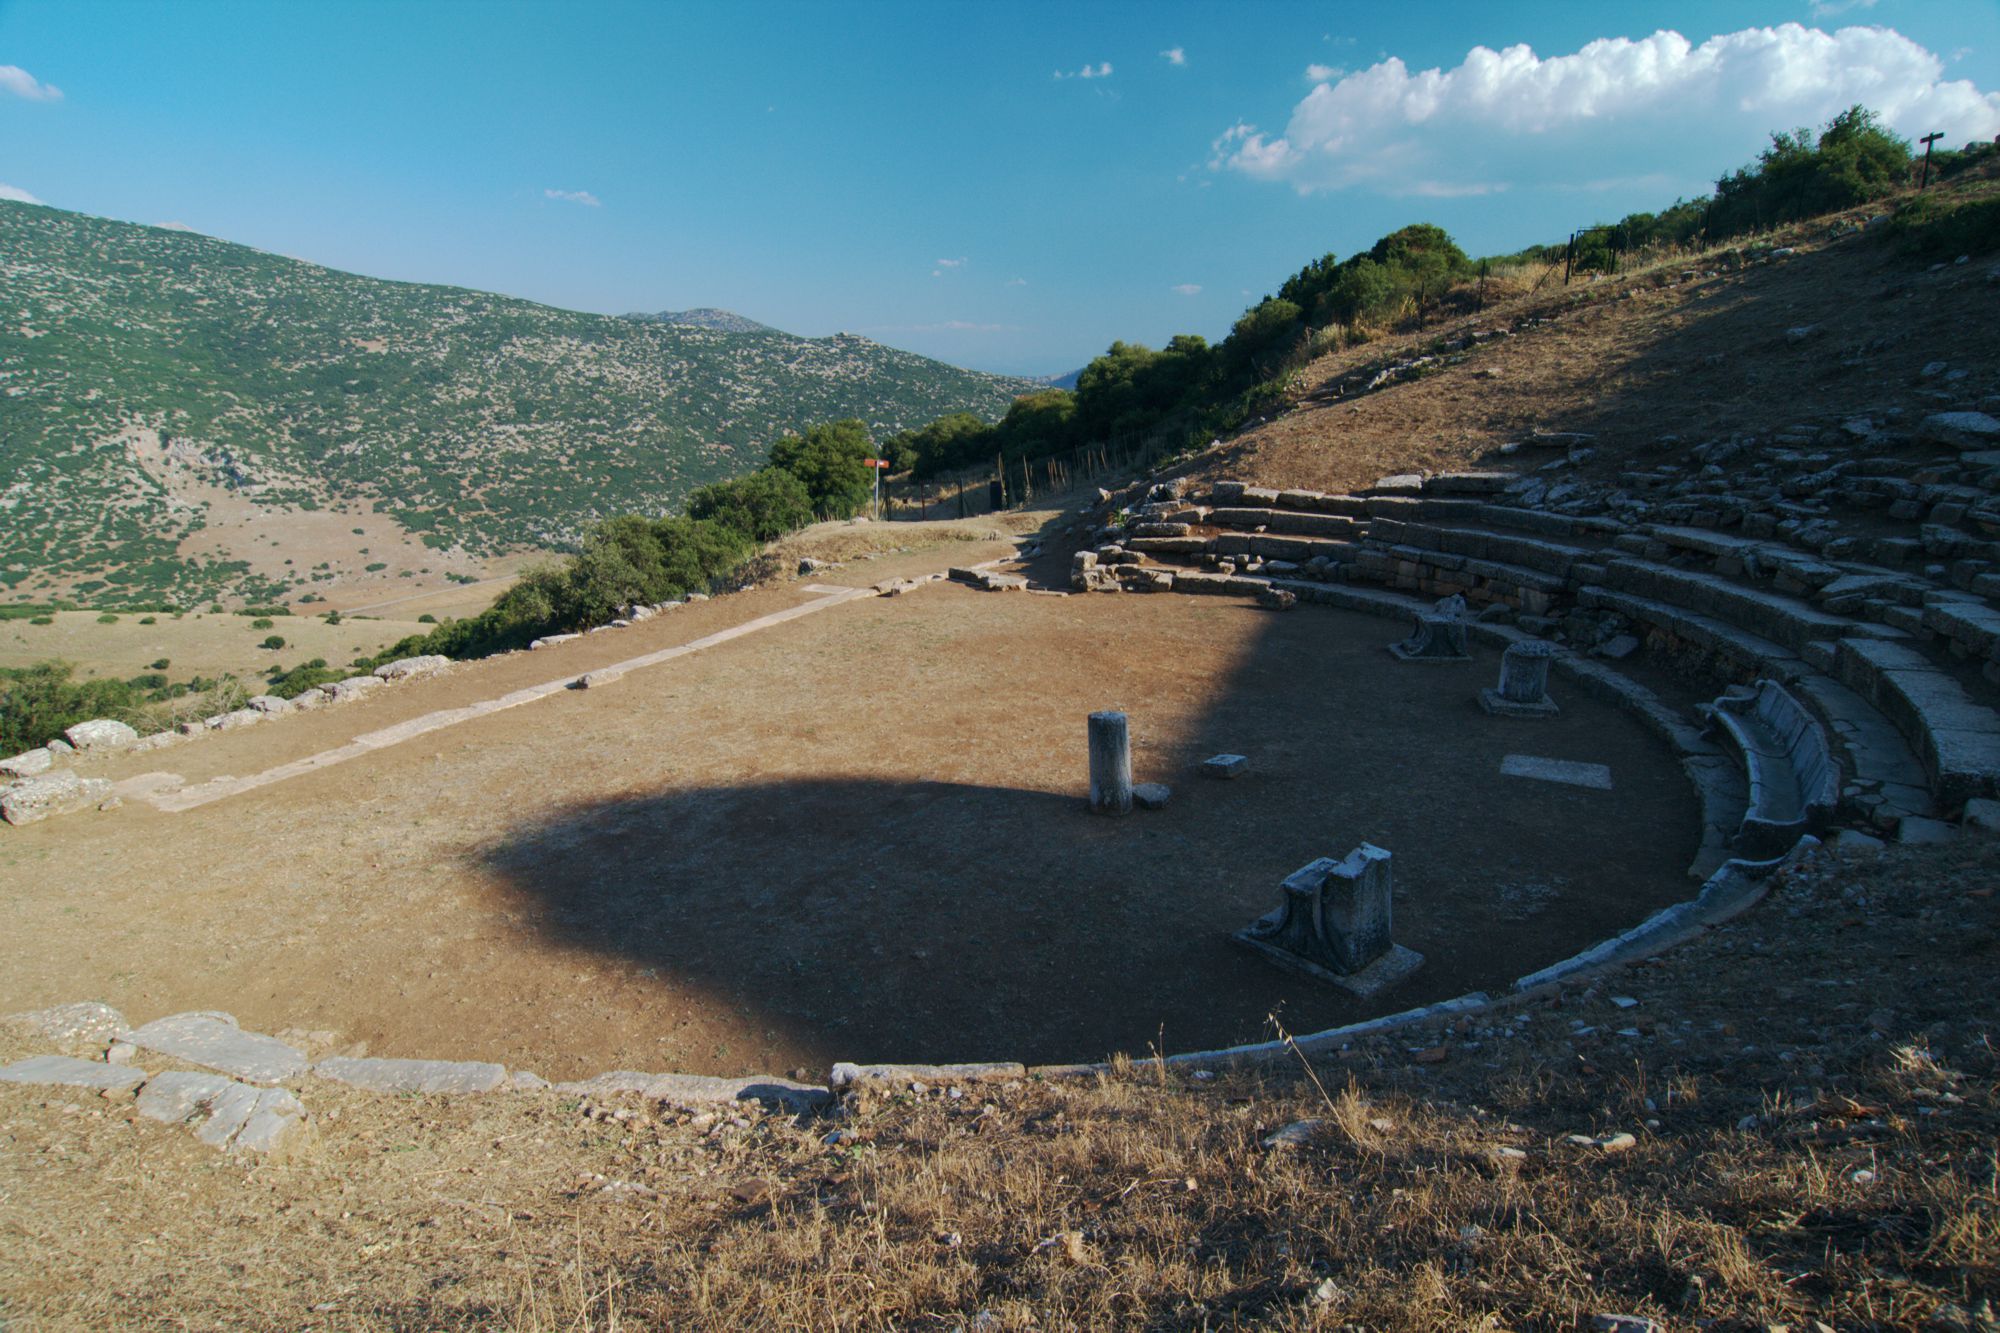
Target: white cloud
x: 1324, y: 73
x: 1089, y: 71
x: 17, y: 194
x: 945, y: 266
x: 1186, y: 289
x: 15, y: 80
x: 1828, y: 8
x: 173, y: 226
x: 1174, y: 55
x: 1510, y: 116
x: 1017, y: 282
x: 584, y: 197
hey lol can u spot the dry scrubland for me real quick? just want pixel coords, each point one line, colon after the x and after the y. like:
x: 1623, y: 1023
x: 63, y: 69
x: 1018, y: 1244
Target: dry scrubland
x: 1809, y: 1092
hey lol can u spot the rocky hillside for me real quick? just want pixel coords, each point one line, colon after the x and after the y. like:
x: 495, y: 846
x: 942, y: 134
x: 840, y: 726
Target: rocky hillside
x: 157, y: 383
x: 704, y: 317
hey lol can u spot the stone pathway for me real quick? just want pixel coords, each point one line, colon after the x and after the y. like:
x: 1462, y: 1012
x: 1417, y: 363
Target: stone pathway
x: 150, y: 787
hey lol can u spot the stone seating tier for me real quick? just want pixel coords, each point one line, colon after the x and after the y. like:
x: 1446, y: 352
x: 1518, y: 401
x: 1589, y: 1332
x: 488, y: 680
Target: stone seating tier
x: 1794, y: 778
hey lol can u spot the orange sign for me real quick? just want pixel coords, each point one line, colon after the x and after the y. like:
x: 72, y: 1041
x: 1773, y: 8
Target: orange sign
x: 875, y: 462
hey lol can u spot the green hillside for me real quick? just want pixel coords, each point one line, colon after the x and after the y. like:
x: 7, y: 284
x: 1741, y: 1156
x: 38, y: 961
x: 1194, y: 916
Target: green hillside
x: 151, y: 377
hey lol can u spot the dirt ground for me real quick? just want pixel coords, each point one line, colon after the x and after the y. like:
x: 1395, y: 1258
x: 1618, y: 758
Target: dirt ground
x: 859, y: 835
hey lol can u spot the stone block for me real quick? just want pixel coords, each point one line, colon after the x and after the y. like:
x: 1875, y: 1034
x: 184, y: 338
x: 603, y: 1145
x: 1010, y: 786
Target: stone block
x: 412, y: 1075
x: 1568, y: 772
x: 84, y: 1022
x: 57, y: 793
x: 1226, y: 766
x: 100, y: 734
x: 28, y: 764
x: 1152, y: 795
x: 409, y: 668
x: 214, y: 1041
x: 68, y: 1072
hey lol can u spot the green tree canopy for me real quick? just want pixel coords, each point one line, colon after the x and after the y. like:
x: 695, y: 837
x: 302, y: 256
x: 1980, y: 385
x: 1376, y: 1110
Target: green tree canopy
x: 828, y: 458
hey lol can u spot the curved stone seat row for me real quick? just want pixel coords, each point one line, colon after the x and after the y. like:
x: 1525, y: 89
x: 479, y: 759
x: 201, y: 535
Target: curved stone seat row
x: 1941, y: 745
x: 1794, y: 778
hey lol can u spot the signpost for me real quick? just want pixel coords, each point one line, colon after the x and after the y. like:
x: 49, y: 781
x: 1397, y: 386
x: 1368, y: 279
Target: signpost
x: 1927, y: 141
x: 878, y: 466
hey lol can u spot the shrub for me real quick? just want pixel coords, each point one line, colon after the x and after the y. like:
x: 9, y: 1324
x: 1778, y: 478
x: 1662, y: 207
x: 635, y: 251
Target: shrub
x: 764, y: 505
x: 107, y: 619
x: 275, y: 642
x: 260, y: 623
x: 41, y: 701
x: 160, y: 664
x: 427, y: 619
x: 149, y: 620
x: 1934, y: 230
x: 41, y: 620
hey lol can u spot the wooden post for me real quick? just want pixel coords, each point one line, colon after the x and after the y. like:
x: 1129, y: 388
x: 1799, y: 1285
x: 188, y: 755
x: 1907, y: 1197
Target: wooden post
x: 1927, y: 141
x: 1110, y: 764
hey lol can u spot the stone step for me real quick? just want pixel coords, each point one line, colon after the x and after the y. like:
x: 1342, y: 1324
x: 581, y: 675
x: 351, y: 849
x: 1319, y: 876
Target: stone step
x: 1747, y: 655
x: 1884, y: 781
x: 1538, y: 522
x: 1956, y: 738
x: 1788, y: 620
x: 1288, y: 521
x: 1267, y: 546
x: 1237, y: 494
x: 1544, y: 557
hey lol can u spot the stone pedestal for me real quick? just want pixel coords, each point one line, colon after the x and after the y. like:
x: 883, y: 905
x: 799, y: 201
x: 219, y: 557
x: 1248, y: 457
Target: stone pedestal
x: 1334, y: 925
x: 1524, y: 682
x: 1110, y: 764
x: 1439, y: 634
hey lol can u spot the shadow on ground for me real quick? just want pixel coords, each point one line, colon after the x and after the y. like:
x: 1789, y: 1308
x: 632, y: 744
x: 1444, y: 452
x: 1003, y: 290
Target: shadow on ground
x: 870, y: 919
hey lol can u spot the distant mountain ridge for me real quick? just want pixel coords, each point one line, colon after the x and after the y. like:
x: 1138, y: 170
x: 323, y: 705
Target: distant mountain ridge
x: 158, y: 386
x: 705, y: 317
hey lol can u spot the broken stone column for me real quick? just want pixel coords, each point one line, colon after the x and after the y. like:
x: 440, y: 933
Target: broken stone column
x: 1110, y: 764
x: 1439, y: 635
x: 1335, y: 925
x: 1524, y: 682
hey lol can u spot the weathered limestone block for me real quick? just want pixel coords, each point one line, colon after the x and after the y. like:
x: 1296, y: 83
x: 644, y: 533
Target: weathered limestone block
x: 1961, y: 430
x: 27, y: 764
x: 1335, y: 924
x: 223, y: 1112
x: 231, y: 721
x: 100, y: 734
x: 1439, y: 634
x: 1524, y: 682
x: 69, y: 1072
x: 354, y: 687
x: 413, y: 1075
x: 271, y: 704
x: 71, y: 1024
x: 551, y: 640
x: 409, y: 668
x: 1226, y: 766
x: 215, y: 1041
x: 57, y: 793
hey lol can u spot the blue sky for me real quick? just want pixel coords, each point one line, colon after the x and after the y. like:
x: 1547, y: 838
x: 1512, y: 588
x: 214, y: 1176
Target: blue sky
x: 942, y: 177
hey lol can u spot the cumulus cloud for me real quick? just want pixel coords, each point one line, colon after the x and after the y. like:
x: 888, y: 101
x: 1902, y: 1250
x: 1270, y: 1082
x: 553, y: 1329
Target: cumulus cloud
x: 1173, y: 55
x: 1511, y: 116
x: 1186, y: 289
x: 1323, y: 73
x: 584, y: 197
x: 15, y: 80
x: 1101, y: 70
x: 17, y: 194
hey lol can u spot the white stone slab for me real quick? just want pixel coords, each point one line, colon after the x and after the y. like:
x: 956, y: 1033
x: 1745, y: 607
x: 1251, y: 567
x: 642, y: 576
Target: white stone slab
x: 412, y: 1075
x: 1569, y: 772
x: 214, y: 1041
x: 65, y: 1071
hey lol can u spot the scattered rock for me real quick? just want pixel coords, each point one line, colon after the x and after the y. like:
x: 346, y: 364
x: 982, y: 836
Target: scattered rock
x: 57, y: 793
x: 591, y: 680
x: 1277, y: 599
x: 409, y: 668
x: 1151, y: 795
x: 354, y: 687
x: 27, y: 764
x: 1624, y: 1323
x: 271, y: 704
x: 100, y: 734
x: 1961, y: 430
x: 1982, y: 814
x: 86, y: 1022
x: 1226, y: 766
x: 1295, y: 1135
x: 223, y: 1112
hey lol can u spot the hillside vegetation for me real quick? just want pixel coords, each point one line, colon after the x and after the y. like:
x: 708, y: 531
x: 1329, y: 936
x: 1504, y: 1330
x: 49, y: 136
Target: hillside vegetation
x: 148, y: 375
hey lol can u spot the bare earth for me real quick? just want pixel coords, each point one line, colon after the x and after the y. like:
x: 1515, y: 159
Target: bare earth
x: 859, y: 835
